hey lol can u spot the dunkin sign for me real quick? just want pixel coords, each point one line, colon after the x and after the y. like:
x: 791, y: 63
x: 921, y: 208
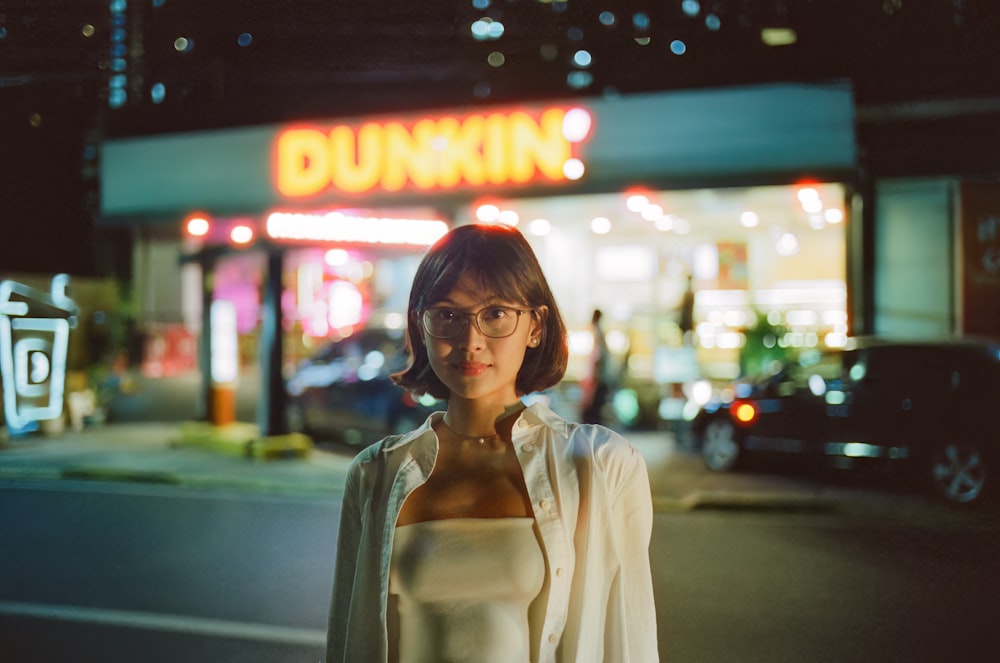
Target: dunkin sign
x: 443, y: 153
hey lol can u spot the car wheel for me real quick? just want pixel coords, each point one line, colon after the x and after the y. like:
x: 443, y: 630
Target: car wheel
x: 958, y: 473
x: 719, y: 447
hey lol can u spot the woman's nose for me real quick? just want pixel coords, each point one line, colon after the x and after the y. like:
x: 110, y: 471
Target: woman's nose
x: 470, y: 338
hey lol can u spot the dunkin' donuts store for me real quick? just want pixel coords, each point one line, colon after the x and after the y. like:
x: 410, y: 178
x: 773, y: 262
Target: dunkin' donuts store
x: 309, y: 231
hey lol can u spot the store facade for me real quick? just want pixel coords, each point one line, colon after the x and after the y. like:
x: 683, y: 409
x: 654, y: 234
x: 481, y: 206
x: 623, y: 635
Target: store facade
x: 747, y: 191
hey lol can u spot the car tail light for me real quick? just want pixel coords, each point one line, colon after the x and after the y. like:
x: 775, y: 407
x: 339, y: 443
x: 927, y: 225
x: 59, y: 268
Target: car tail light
x: 744, y: 412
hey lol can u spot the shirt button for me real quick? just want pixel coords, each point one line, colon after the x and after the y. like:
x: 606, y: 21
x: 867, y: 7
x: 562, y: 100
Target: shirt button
x: 559, y: 572
x: 527, y: 447
x: 552, y: 639
x: 544, y: 504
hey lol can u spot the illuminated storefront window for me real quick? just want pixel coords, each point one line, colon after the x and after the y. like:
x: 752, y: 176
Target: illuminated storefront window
x: 343, y: 270
x: 771, y: 255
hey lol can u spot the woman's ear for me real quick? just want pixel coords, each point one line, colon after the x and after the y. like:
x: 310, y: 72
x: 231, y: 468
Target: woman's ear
x: 538, y: 316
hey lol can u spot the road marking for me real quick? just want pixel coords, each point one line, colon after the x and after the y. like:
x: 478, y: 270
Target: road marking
x: 159, y: 622
x: 12, y: 481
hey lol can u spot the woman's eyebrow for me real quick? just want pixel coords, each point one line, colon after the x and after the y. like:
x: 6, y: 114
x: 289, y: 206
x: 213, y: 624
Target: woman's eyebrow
x: 492, y: 300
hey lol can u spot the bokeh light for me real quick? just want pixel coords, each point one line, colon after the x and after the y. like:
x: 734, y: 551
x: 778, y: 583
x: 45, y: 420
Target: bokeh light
x: 600, y: 225
x: 576, y: 125
x: 579, y: 79
x: 241, y: 234
x: 573, y: 169
x: 197, y: 226
x: 157, y: 93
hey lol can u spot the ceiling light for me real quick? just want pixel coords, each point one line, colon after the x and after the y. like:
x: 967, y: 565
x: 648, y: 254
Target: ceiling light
x: 600, y: 225
x: 540, y: 227
x: 652, y: 212
x: 636, y: 203
x: 487, y: 213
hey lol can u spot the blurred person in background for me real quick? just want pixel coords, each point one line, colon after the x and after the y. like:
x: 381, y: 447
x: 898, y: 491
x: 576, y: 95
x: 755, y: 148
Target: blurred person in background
x: 493, y: 532
x: 686, y: 316
x: 597, y: 383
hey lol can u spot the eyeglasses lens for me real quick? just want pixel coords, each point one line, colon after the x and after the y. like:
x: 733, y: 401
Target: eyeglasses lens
x: 494, y: 321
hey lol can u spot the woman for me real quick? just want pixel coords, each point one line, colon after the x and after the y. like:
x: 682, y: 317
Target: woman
x: 494, y: 532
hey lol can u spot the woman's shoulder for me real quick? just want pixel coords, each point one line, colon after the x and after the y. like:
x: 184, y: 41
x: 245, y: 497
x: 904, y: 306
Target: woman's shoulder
x: 380, y: 452
x: 600, y: 442
x: 610, y: 457
x: 603, y: 442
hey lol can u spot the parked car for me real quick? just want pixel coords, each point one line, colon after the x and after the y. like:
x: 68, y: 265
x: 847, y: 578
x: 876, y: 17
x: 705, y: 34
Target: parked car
x: 925, y: 408
x: 344, y: 393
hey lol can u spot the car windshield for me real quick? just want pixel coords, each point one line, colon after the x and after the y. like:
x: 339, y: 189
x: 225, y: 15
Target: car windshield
x: 804, y: 373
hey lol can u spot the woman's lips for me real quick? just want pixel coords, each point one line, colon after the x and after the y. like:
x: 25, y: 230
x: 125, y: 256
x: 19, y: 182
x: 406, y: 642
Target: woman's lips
x: 472, y: 369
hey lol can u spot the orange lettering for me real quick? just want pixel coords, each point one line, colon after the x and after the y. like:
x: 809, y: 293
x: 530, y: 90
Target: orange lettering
x: 495, y: 147
x: 447, y: 152
x: 408, y: 156
x: 459, y: 155
x: 537, y: 145
x: 302, y: 162
x: 356, y: 168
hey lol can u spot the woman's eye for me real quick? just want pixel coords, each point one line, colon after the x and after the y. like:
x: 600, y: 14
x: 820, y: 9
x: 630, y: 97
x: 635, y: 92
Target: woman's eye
x: 495, y: 313
x: 445, y: 314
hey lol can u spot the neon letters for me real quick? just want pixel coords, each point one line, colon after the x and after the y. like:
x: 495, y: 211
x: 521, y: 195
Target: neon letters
x: 34, y: 337
x: 443, y: 153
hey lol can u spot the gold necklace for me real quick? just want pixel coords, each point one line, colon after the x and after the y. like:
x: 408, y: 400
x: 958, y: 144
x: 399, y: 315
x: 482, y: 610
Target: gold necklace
x: 481, y: 439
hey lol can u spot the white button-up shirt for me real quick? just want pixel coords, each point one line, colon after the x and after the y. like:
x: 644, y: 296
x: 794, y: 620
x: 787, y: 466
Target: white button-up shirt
x: 590, y: 492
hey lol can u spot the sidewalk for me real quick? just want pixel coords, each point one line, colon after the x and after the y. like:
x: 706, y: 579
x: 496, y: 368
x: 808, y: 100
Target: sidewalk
x: 186, y: 455
x: 170, y: 453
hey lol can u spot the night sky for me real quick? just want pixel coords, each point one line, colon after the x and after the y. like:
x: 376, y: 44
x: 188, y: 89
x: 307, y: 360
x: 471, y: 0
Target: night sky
x: 74, y: 71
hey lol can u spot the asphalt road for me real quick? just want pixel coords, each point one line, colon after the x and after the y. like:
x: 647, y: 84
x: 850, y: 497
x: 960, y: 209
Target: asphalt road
x: 119, y: 572
x: 793, y: 588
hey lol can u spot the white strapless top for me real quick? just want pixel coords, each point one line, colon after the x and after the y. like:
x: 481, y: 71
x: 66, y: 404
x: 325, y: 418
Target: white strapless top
x: 464, y: 588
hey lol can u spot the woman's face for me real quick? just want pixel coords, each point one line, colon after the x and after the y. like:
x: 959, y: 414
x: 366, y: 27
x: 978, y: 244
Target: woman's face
x: 474, y: 366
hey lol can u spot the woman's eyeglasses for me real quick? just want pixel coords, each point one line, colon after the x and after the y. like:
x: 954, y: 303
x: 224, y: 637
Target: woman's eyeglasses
x: 492, y: 321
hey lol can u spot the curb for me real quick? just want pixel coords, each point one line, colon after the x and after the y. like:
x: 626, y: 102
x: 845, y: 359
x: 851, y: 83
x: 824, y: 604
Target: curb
x: 242, y: 440
x: 733, y: 501
x: 211, y: 482
x: 99, y: 473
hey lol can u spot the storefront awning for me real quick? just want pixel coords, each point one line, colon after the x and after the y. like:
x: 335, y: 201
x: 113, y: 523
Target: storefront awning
x: 702, y: 137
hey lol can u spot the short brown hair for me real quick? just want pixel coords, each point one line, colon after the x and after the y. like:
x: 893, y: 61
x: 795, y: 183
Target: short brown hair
x: 500, y: 260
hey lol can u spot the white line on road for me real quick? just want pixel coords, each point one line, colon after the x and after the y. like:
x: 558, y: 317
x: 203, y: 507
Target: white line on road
x: 10, y: 481
x: 159, y: 622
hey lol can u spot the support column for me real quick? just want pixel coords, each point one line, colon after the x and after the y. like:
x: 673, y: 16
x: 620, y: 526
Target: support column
x: 204, y: 405
x: 861, y: 257
x: 271, y: 409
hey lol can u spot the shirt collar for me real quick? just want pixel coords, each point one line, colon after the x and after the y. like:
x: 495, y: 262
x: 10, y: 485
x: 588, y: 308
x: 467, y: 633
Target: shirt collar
x: 536, y: 414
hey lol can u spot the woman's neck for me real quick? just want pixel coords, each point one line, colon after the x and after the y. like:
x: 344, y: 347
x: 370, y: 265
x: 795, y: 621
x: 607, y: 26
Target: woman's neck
x: 472, y: 418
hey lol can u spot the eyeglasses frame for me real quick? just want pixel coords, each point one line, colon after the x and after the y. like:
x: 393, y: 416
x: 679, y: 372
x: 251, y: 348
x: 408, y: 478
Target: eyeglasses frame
x: 475, y: 318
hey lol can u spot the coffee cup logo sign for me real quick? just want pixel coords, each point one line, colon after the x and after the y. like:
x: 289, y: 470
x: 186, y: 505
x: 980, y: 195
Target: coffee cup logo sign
x: 444, y: 153
x: 34, y: 339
